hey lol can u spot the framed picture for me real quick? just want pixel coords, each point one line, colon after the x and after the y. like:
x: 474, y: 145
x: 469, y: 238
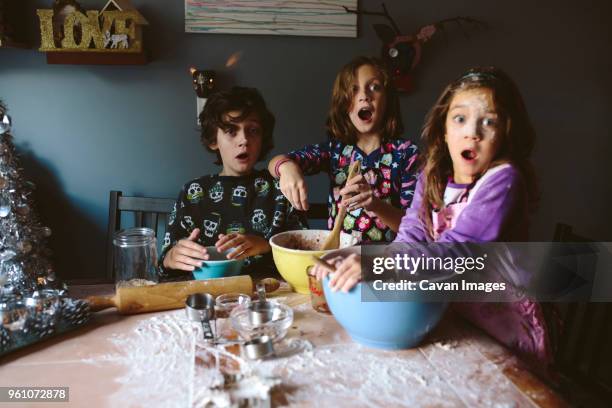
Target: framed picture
x: 298, y: 17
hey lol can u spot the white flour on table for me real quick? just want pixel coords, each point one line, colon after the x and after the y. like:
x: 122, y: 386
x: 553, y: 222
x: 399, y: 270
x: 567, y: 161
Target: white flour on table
x: 158, y: 355
x: 166, y: 366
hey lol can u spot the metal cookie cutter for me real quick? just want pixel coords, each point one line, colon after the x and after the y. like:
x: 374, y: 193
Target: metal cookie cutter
x: 200, y: 308
x: 258, y: 348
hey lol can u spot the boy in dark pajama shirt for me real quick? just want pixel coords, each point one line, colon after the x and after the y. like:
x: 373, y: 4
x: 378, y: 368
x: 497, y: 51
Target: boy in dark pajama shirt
x: 239, y: 208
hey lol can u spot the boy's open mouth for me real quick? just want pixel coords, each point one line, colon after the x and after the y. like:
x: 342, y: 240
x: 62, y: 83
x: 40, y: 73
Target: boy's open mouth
x: 468, y: 154
x: 242, y: 156
x: 365, y: 114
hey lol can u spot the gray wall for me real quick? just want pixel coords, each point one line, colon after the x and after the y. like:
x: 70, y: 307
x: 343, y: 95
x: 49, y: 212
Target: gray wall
x: 84, y: 130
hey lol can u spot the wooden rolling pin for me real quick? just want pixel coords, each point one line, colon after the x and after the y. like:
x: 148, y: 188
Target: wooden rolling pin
x: 172, y: 295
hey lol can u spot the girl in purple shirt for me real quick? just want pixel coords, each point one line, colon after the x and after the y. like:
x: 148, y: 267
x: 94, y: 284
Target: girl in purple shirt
x: 476, y: 185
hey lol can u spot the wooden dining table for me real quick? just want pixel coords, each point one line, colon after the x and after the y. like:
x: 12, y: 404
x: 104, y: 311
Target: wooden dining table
x: 157, y: 359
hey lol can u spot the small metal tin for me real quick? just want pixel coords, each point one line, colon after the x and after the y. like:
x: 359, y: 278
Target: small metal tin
x: 200, y: 308
x: 258, y: 348
x: 263, y: 312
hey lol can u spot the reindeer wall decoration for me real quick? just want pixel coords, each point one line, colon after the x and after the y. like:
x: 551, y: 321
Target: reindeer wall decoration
x: 403, y: 52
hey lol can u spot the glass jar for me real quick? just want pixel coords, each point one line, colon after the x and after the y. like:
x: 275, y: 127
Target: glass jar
x: 317, y: 295
x: 135, y: 257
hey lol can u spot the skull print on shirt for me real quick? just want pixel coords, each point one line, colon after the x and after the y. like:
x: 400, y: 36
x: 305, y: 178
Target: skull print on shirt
x: 239, y: 196
x: 195, y: 192
x: 211, y: 224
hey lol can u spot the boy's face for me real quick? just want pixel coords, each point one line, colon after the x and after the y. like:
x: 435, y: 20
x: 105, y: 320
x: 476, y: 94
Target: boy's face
x: 239, y: 145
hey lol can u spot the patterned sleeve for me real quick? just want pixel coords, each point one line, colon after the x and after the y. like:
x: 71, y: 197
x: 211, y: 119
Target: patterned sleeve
x: 285, y: 217
x: 176, y: 230
x: 411, y: 228
x: 314, y: 158
x: 408, y: 173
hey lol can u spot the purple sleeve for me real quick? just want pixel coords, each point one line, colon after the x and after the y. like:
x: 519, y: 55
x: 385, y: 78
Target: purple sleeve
x: 411, y: 228
x: 497, y: 211
x: 312, y: 159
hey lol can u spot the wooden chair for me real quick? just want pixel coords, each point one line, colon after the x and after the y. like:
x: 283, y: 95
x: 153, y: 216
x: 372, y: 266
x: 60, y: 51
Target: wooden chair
x: 147, y: 212
x: 583, y: 343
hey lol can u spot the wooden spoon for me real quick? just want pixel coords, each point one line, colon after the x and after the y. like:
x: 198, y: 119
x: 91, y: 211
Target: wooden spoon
x: 333, y: 239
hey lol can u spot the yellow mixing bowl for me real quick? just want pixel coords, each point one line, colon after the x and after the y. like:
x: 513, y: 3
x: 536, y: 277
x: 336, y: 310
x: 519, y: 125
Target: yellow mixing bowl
x: 293, y: 263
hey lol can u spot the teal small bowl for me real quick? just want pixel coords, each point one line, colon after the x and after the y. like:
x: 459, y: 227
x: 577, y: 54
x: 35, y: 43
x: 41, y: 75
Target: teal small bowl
x: 218, y: 266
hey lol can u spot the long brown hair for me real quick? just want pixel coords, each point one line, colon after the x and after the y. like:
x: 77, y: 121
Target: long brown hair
x: 518, y: 137
x: 339, y: 125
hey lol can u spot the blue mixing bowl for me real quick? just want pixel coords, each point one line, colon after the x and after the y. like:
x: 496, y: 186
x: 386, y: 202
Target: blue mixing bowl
x: 383, y: 325
x: 218, y: 266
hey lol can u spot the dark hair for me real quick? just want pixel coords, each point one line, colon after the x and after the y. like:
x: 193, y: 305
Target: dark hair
x: 518, y: 138
x: 247, y: 101
x: 339, y: 125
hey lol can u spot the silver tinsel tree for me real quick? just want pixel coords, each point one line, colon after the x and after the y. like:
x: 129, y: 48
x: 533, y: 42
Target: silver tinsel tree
x: 24, y: 255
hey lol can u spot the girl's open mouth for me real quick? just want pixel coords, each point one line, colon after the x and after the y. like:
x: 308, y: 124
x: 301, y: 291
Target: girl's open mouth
x: 365, y: 114
x: 468, y: 154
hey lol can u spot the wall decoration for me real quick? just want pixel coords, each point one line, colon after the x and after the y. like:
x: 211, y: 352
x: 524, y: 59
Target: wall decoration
x: 299, y: 17
x: 403, y: 52
x: 203, y: 85
x: 67, y: 28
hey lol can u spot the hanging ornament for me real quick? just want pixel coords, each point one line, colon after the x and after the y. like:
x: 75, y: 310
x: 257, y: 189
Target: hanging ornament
x: 7, y: 255
x: 5, y: 123
x: 5, y: 207
x: 23, y: 209
x: 24, y: 247
x: 46, y: 231
x: 51, y: 275
x: 3, y: 182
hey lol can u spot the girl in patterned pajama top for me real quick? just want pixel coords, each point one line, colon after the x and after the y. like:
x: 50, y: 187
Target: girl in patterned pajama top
x: 240, y: 208
x: 364, y: 124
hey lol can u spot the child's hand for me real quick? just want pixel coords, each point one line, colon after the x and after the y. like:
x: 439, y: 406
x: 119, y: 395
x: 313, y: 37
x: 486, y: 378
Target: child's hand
x: 187, y: 254
x: 320, y: 271
x: 361, y: 192
x: 347, y: 275
x: 244, y: 245
x: 293, y: 185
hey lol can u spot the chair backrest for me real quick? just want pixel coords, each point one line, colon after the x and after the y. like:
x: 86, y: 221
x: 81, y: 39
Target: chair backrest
x: 565, y: 233
x: 147, y: 212
x: 583, y: 343
x: 152, y: 213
